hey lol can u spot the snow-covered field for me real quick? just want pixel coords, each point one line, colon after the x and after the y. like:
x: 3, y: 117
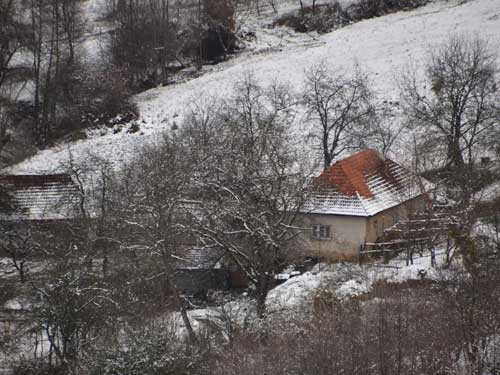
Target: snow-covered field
x: 382, y: 47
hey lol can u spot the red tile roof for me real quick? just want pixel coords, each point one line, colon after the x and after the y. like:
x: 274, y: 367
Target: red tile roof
x: 362, y: 185
x: 350, y: 176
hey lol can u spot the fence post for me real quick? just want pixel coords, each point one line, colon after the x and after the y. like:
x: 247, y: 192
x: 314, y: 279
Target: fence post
x: 360, y: 255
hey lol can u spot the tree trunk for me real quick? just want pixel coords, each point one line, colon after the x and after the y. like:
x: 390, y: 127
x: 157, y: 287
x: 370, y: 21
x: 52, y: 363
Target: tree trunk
x: 262, y: 290
x: 185, y: 318
x: 327, y: 157
x: 455, y: 154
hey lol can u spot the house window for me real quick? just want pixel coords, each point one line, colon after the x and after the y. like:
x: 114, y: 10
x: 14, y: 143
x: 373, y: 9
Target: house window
x: 320, y: 232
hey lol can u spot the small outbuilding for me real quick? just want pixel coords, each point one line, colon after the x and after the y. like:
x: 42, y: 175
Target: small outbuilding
x: 37, y: 198
x: 198, y: 270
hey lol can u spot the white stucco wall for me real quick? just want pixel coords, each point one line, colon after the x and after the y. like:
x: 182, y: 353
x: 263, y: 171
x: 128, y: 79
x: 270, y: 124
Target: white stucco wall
x: 347, y: 235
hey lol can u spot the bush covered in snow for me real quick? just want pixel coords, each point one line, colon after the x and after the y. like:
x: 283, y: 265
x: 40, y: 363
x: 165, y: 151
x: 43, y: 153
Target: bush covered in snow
x: 324, y: 18
x: 155, y: 351
x: 321, y: 18
x: 365, y: 9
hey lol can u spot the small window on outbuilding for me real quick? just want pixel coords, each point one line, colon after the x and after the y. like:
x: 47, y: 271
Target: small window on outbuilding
x: 321, y: 232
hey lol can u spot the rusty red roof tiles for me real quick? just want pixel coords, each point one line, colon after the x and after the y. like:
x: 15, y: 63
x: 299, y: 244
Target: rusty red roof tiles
x: 362, y: 185
x: 350, y: 175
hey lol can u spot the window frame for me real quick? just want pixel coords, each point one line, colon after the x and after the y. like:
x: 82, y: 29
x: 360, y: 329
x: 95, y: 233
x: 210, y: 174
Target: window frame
x: 321, y: 232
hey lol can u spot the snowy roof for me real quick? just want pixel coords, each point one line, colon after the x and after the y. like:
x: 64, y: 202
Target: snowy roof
x: 197, y: 258
x: 363, y: 184
x: 37, y: 197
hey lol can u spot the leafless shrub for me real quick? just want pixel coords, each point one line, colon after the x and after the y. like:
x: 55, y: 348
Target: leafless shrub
x: 364, y: 9
x: 460, y: 111
x: 321, y: 18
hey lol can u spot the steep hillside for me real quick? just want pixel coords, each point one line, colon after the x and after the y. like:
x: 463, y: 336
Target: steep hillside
x: 382, y: 47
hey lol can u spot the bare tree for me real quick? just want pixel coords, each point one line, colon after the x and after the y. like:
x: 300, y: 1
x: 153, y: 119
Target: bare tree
x: 71, y: 25
x: 55, y: 25
x: 145, y: 41
x: 18, y: 242
x: 338, y: 108
x: 472, y: 306
x: 385, y: 130
x: 460, y: 110
x: 14, y: 36
x: 5, y: 124
x: 74, y: 305
x: 149, y: 213
x: 152, y: 348
x: 251, y: 187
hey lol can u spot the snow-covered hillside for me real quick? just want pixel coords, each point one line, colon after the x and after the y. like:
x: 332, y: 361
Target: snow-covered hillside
x: 382, y: 47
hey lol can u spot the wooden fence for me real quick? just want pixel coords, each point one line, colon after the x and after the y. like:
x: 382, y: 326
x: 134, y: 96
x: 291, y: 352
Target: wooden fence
x: 410, y: 237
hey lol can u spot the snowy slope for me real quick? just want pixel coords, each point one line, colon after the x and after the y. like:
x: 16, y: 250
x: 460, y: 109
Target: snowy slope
x: 381, y: 46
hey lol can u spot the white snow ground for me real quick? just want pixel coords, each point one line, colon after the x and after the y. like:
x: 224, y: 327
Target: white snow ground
x: 348, y: 280
x: 382, y: 47
x: 489, y: 193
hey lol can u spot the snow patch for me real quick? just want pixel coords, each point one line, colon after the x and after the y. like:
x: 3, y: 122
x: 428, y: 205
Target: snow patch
x: 293, y: 293
x: 16, y: 304
x: 352, y: 288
